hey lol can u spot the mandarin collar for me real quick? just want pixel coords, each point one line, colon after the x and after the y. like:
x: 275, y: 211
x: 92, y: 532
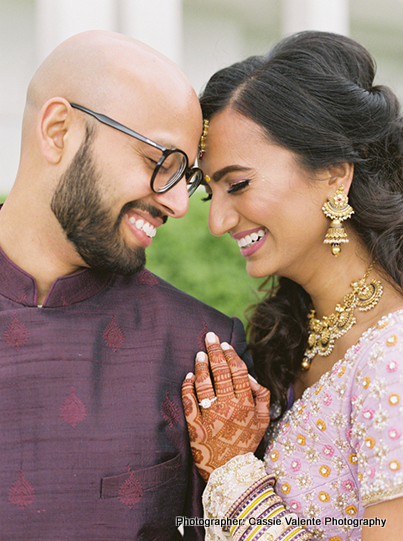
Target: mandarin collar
x: 20, y: 287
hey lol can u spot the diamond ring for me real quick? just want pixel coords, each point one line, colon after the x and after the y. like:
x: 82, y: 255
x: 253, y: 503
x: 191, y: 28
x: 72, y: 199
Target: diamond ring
x: 206, y: 402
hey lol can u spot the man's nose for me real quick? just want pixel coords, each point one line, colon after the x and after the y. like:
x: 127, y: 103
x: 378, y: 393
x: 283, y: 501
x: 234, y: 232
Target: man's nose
x: 175, y: 201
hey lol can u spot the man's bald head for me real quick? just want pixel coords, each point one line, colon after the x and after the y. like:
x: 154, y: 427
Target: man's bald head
x: 97, y: 65
x: 115, y: 75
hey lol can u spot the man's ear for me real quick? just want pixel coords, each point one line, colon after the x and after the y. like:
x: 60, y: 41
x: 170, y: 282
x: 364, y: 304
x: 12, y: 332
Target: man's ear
x: 54, y: 122
x: 341, y: 173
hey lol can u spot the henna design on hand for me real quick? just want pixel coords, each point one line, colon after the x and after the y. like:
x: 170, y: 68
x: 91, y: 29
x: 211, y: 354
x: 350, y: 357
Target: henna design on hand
x: 187, y: 405
x: 235, y: 423
x: 197, y: 455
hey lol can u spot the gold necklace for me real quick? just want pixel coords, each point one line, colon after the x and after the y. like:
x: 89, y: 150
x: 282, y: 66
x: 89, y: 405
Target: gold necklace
x: 323, y: 332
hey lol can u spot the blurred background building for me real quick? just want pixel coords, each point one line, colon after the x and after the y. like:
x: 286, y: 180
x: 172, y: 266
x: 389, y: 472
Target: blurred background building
x: 199, y: 35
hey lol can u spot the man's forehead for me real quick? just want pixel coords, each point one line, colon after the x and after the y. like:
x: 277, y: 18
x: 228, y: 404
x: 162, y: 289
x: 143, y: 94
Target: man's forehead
x: 166, y: 118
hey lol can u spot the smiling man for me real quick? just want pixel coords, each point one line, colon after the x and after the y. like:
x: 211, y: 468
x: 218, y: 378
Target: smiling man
x: 93, y: 347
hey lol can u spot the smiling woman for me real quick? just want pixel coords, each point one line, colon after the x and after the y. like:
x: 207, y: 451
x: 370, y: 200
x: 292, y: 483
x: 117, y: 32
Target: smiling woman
x: 305, y: 163
x: 270, y: 197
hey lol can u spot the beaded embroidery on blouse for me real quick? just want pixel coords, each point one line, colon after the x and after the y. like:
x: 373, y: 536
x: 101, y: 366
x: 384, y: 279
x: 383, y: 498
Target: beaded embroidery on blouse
x: 340, y: 447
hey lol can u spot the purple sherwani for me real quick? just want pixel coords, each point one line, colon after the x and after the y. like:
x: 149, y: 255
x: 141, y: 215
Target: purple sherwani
x: 93, y: 440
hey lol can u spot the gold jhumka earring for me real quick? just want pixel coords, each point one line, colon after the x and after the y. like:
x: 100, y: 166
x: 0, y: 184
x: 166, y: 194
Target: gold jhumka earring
x: 338, y: 210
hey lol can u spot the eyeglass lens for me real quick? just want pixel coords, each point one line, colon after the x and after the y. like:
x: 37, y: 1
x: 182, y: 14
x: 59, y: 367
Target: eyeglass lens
x: 171, y: 170
x: 194, y: 178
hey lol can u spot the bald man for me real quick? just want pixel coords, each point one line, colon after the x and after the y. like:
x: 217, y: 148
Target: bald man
x: 93, y: 347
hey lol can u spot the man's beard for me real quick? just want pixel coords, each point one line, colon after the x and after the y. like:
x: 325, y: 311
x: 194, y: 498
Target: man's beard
x: 88, y: 222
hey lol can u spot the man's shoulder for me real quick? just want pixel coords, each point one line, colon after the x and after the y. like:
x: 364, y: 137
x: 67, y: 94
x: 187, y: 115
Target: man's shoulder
x: 185, y: 312
x: 153, y: 290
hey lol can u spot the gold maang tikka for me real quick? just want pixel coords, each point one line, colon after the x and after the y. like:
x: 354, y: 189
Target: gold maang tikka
x: 338, y: 210
x: 202, y: 144
x: 323, y: 332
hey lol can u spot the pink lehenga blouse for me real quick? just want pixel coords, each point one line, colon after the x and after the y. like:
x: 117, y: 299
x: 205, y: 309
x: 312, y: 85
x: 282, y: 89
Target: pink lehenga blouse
x: 339, y: 448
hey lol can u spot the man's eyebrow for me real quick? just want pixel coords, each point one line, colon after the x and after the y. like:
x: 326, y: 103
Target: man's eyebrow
x: 229, y: 169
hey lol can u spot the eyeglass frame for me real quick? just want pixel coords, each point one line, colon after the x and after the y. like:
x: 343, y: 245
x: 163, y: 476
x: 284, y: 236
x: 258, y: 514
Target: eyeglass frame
x: 193, y: 171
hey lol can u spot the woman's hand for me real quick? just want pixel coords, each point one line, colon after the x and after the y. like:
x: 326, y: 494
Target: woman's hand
x: 233, y: 413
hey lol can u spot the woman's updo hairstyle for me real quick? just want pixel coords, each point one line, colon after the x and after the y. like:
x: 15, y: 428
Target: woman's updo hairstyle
x: 313, y: 94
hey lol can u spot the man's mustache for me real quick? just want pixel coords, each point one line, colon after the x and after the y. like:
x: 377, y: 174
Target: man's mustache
x: 141, y: 205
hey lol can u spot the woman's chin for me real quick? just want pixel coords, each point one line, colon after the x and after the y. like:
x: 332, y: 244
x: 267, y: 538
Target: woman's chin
x: 255, y: 270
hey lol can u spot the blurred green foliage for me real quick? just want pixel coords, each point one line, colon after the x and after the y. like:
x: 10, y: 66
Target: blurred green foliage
x: 187, y: 255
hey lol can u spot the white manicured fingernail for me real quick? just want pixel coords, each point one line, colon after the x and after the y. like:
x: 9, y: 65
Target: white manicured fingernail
x: 200, y: 356
x: 189, y: 376
x: 252, y: 378
x: 224, y: 346
x: 211, y: 338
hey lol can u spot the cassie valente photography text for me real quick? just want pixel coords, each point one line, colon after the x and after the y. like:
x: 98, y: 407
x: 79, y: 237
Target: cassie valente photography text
x: 290, y: 520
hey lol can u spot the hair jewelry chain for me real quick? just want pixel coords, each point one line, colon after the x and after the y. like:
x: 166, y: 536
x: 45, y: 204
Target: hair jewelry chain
x: 323, y: 332
x: 202, y: 144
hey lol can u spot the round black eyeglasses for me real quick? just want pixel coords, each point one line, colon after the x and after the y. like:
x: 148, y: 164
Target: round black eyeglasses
x: 170, y: 168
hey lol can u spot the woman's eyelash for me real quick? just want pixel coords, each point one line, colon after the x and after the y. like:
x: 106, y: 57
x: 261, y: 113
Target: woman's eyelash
x: 234, y: 188
x: 238, y: 186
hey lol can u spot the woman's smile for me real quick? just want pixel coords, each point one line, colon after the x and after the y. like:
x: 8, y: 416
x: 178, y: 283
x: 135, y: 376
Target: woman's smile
x: 261, y: 195
x: 250, y: 241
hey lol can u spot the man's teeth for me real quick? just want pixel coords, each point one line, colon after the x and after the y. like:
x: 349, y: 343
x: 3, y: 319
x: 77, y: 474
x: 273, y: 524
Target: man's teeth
x: 143, y: 225
x: 248, y: 240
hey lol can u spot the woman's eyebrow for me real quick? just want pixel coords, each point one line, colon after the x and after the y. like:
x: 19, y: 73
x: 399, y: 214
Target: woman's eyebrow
x: 217, y: 176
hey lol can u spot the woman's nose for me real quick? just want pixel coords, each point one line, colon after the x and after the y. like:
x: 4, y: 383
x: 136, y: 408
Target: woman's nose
x: 222, y: 216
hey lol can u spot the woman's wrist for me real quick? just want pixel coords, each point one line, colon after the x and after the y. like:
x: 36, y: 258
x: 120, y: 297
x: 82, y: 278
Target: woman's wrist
x: 242, y: 495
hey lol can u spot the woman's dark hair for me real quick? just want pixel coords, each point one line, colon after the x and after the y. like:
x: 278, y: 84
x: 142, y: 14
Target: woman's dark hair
x: 314, y: 95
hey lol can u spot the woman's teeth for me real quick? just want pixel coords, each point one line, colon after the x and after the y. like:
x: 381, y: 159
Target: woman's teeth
x: 248, y: 240
x: 143, y: 225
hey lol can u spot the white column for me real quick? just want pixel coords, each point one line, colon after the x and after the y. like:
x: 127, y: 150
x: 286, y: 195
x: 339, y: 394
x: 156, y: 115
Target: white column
x: 17, y: 39
x: 57, y: 20
x: 326, y: 15
x: 158, y: 23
